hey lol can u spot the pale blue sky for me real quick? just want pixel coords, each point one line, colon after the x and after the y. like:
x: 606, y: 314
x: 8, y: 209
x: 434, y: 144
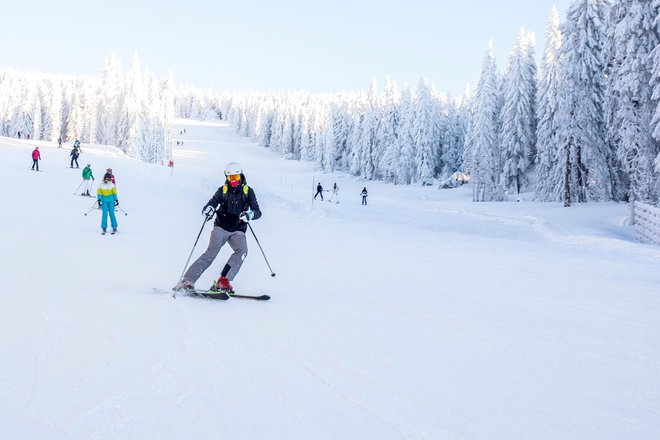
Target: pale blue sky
x: 280, y: 44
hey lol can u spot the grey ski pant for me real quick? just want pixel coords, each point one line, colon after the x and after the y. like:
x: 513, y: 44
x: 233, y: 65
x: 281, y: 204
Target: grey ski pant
x: 219, y: 237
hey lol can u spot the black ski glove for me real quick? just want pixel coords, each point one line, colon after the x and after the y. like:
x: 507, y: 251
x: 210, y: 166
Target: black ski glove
x: 116, y: 202
x: 208, y: 210
x: 99, y: 203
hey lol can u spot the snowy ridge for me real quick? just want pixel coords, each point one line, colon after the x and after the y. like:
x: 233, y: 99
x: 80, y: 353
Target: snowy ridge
x: 422, y: 315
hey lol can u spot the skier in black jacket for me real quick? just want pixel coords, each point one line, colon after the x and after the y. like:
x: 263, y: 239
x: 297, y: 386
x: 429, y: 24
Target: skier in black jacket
x: 234, y: 204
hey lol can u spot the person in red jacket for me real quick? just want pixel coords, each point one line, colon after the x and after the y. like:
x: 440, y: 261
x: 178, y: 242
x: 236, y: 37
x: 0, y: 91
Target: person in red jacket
x: 36, y: 157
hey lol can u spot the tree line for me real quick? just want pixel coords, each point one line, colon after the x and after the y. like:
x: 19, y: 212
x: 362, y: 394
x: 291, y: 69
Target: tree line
x: 582, y: 126
x: 132, y: 110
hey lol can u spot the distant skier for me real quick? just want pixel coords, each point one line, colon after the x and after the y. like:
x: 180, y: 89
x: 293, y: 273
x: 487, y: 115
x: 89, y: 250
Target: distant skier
x: 59, y: 142
x: 107, y: 199
x: 319, y: 190
x: 88, y: 177
x: 335, y: 194
x: 364, y: 195
x: 75, y: 153
x: 109, y: 171
x: 234, y: 204
x: 36, y: 157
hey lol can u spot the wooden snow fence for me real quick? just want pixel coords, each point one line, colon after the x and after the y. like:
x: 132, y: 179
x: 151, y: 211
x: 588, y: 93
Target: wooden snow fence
x: 646, y: 219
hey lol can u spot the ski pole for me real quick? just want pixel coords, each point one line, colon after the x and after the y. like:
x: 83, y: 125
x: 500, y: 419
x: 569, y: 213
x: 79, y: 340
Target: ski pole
x: 119, y: 209
x: 74, y: 193
x: 209, y: 215
x: 272, y: 274
x: 92, y: 208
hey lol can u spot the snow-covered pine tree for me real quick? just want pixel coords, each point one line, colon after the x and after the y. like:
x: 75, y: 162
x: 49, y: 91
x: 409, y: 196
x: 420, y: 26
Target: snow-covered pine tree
x: 426, y: 132
x: 76, y: 118
x: 110, y: 92
x: 616, y: 12
x: 55, y: 110
x: 306, y: 150
x: 580, y: 116
x: 483, y: 158
x: 406, y: 168
x: 320, y: 124
x: 635, y: 39
x: 388, y: 132
x: 355, y: 139
x: 547, y: 183
x: 36, y: 122
x: 518, y: 115
x: 454, y: 136
x: 287, y: 135
x: 369, y: 142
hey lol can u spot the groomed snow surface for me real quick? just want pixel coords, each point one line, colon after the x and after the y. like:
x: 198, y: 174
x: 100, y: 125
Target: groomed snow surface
x: 420, y: 316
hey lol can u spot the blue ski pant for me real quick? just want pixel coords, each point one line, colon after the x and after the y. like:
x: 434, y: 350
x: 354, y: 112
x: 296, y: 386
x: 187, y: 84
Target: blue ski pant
x: 108, y: 207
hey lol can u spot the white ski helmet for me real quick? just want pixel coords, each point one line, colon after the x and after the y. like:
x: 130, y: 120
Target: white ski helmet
x: 233, y: 168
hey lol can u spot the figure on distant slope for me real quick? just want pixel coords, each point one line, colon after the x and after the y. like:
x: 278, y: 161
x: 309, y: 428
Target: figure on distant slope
x: 364, y: 195
x: 234, y: 204
x: 109, y: 171
x: 36, y: 157
x: 319, y: 190
x: 107, y: 198
x: 88, y: 177
x: 334, y: 197
x: 74, y: 156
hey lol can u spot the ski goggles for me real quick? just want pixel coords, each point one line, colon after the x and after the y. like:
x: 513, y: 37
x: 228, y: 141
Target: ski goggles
x: 233, y: 177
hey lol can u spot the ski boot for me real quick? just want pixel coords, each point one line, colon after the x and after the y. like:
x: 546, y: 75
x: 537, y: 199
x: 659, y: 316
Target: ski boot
x: 185, y: 286
x: 222, y: 285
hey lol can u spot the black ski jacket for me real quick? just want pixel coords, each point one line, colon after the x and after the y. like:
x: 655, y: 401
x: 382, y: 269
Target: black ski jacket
x: 229, y: 206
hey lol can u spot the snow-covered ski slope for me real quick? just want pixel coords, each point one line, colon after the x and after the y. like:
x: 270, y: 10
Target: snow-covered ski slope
x: 420, y: 316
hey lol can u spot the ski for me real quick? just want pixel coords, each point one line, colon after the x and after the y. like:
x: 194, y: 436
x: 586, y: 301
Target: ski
x: 209, y: 294
x: 212, y: 294
x: 255, y: 297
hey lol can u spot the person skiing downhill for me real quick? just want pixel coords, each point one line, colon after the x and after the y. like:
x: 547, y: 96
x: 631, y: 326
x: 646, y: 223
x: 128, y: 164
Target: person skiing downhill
x: 107, y: 199
x: 109, y: 171
x: 74, y: 156
x: 364, y: 195
x: 334, y: 197
x: 88, y: 177
x: 234, y: 204
x: 319, y: 191
x: 36, y: 157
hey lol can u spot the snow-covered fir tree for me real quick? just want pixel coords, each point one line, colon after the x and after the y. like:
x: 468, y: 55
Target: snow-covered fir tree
x: 426, y: 132
x: 580, y: 115
x: 388, y: 132
x: 548, y: 185
x: 636, y: 37
x: 406, y: 167
x: 369, y: 142
x: 518, y: 131
x: 482, y: 159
